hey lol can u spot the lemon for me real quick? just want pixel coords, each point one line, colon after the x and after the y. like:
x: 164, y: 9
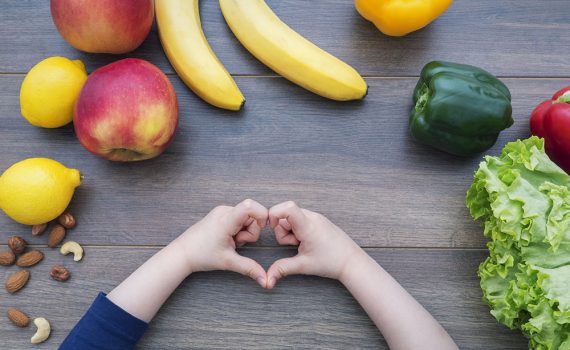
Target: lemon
x: 49, y: 91
x: 37, y: 190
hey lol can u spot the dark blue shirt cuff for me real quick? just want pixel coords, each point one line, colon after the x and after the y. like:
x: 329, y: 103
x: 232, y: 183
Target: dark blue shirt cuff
x: 105, y: 326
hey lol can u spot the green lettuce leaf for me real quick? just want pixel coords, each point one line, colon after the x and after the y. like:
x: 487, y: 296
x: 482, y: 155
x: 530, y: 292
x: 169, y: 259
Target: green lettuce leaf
x: 523, y: 200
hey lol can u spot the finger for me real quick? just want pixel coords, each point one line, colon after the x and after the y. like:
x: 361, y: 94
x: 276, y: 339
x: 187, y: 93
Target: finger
x: 247, y: 267
x: 254, y: 229
x: 284, y: 267
x: 281, y: 232
x: 290, y: 211
x: 249, y: 221
x: 245, y: 210
x: 249, y: 235
x: 285, y: 237
x: 244, y: 237
x: 286, y: 225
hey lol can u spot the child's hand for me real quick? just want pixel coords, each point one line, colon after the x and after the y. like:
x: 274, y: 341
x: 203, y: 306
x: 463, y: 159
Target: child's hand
x: 324, y: 249
x: 211, y: 243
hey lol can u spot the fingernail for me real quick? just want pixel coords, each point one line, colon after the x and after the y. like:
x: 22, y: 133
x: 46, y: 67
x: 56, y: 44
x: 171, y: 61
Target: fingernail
x: 272, y: 282
x: 261, y: 281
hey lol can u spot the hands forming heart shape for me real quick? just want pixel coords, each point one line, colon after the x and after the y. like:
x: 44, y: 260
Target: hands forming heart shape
x: 324, y: 249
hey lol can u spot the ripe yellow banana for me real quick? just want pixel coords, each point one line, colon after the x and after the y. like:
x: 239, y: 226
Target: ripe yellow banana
x: 285, y: 51
x: 186, y: 47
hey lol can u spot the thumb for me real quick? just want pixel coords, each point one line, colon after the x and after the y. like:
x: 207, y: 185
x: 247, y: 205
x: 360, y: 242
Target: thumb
x: 285, y: 267
x: 247, y: 267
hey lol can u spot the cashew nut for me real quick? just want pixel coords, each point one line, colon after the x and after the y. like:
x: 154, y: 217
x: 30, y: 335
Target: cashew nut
x: 43, y: 331
x: 72, y: 247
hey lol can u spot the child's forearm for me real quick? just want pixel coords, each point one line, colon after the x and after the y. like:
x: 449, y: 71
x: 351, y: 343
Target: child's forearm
x: 404, y: 323
x: 145, y: 290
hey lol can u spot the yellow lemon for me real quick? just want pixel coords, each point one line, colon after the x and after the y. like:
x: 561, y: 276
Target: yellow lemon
x: 49, y: 91
x: 37, y: 190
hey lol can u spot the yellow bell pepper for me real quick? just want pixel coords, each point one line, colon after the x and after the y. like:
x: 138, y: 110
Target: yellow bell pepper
x: 401, y: 17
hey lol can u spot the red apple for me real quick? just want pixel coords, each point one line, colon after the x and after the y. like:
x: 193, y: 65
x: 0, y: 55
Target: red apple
x: 126, y: 111
x: 103, y: 26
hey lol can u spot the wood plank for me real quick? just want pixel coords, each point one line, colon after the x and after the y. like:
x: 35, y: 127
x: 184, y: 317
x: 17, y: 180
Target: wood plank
x: 509, y: 37
x: 302, y: 312
x: 353, y: 162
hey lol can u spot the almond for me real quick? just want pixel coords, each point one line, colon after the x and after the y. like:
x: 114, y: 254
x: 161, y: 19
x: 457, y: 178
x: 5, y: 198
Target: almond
x: 7, y: 258
x: 67, y: 220
x: 17, y: 281
x: 30, y: 258
x: 56, y: 235
x: 60, y: 273
x: 17, y: 244
x: 38, y: 229
x: 18, y: 317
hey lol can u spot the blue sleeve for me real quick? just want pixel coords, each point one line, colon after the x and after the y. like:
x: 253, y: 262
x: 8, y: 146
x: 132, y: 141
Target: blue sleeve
x: 105, y: 326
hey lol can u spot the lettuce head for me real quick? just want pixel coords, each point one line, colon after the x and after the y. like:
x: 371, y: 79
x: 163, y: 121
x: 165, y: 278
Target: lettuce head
x: 523, y: 200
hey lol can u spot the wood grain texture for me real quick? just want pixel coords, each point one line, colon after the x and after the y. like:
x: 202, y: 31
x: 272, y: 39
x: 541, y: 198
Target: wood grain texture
x: 225, y: 310
x: 354, y: 162
x: 508, y: 37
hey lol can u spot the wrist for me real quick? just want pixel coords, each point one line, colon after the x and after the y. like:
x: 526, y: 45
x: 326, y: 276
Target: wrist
x: 353, y: 265
x: 181, y: 258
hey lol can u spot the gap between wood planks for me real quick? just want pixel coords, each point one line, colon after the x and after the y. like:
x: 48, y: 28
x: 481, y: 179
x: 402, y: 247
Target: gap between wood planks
x: 402, y: 77
x: 127, y: 246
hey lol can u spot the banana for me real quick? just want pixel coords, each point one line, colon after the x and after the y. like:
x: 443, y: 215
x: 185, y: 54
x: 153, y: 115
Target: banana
x: 285, y: 51
x: 188, y: 51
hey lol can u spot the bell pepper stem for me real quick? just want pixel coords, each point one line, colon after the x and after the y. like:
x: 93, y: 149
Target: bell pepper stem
x: 565, y: 98
x: 423, y: 99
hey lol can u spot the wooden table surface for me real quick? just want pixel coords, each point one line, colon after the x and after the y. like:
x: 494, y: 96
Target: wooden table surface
x: 353, y: 162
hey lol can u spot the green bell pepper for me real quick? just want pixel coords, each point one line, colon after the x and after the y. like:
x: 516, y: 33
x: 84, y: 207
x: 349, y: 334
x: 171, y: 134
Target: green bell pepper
x: 459, y: 109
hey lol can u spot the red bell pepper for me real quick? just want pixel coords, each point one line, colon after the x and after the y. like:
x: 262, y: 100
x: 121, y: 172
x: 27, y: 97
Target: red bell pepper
x: 551, y: 121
